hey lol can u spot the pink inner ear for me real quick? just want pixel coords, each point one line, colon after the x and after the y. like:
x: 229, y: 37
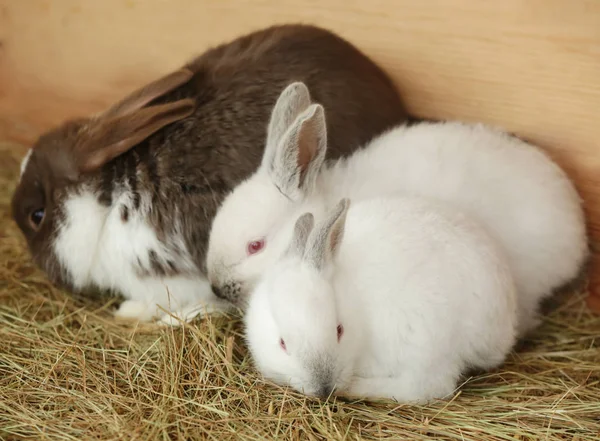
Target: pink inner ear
x: 340, y: 331
x: 307, y: 146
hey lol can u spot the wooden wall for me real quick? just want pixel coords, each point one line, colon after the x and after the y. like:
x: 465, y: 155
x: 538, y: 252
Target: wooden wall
x: 532, y: 66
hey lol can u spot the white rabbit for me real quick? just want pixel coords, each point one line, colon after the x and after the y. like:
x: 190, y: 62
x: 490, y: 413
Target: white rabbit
x: 525, y: 201
x: 394, y: 298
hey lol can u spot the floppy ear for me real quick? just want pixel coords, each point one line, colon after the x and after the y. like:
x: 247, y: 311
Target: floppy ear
x: 294, y: 100
x: 302, y: 228
x: 115, y: 136
x: 326, y: 238
x: 141, y: 97
x: 300, y: 155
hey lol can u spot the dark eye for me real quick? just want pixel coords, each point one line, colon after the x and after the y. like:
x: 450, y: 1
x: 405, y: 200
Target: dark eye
x: 36, y: 217
x: 282, y: 344
x: 340, y: 331
x: 255, y: 246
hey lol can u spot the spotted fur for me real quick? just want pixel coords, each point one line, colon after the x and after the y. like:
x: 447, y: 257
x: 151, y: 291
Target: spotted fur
x: 129, y: 197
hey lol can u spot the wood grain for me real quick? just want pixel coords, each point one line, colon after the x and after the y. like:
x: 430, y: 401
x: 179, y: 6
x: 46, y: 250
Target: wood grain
x: 531, y: 66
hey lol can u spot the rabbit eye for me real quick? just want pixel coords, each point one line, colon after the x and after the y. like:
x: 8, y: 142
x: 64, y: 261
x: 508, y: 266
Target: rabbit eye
x: 36, y: 217
x: 282, y: 344
x: 340, y: 332
x: 255, y: 246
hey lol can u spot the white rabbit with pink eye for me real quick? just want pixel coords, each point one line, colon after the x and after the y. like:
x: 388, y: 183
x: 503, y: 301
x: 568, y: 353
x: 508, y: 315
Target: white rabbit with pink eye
x: 386, y: 298
x: 520, y: 196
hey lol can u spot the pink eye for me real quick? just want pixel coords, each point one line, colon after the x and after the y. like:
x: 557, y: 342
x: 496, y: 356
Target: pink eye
x: 340, y: 331
x: 282, y: 344
x: 255, y: 246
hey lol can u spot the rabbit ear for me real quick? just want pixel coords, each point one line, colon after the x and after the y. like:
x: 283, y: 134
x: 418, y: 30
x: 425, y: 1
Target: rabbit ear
x: 300, y: 154
x: 326, y: 238
x: 294, y: 100
x: 113, y: 137
x: 302, y: 229
x: 143, y: 96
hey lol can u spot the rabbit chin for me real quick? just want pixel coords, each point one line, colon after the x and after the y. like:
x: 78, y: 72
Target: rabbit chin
x: 96, y: 247
x: 300, y: 379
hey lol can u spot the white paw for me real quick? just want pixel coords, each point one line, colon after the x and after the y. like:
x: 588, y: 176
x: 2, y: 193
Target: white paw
x: 131, y: 309
x: 186, y: 315
x: 173, y: 319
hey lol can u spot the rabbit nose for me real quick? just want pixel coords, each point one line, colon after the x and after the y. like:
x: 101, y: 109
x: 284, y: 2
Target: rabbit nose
x: 217, y: 291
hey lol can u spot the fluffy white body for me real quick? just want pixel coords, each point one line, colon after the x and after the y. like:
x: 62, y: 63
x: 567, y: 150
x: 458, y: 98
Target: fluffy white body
x: 524, y: 199
x: 526, y: 202
x: 100, y: 250
x: 396, y: 300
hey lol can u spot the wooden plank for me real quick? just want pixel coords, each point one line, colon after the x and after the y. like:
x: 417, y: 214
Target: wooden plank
x: 531, y: 66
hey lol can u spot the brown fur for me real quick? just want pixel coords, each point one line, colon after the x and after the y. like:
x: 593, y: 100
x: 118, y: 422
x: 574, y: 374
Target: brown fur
x: 191, y: 137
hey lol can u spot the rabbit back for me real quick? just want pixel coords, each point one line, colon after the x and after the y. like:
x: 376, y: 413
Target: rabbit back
x: 523, y: 199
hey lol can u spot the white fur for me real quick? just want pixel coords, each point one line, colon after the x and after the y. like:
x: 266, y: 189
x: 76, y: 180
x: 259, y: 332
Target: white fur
x: 25, y: 161
x: 516, y: 191
x: 422, y: 292
x: 99, y: 249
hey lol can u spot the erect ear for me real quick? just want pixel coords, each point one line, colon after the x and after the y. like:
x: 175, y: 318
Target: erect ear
x: 302, y: 228
x: 300, y: 154
x: 325, y: 239
x: 113, y: 137
x: 294, y: 100
x: 144, y: 95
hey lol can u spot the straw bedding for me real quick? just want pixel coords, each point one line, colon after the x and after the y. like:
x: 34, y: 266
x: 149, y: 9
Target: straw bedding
x: 69, y: 371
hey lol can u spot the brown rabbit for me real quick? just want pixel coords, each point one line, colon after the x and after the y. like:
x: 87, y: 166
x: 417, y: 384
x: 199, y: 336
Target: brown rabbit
x: 124, y: 201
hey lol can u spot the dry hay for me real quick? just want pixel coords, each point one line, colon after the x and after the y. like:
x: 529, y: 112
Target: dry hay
x: 68, y: 371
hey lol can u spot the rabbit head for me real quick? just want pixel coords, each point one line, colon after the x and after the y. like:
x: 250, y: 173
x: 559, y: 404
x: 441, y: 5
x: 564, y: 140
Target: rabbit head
x: 252, y: 225
x: 294, y: 328
x: 62, y: 159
